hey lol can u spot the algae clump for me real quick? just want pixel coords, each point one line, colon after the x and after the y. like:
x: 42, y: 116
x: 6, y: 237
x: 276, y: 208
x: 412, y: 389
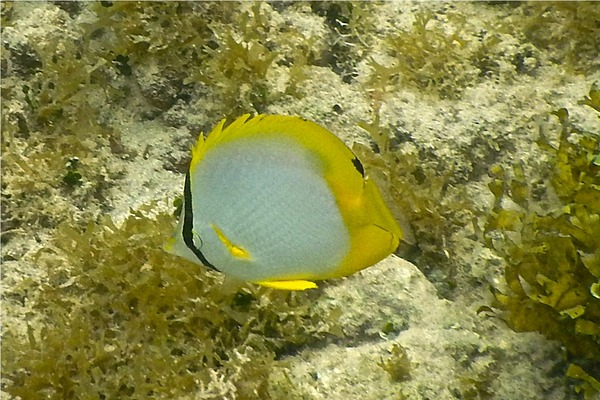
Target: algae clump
x: 119, y: 317
x: 397, y: 364
x: 549, y: 235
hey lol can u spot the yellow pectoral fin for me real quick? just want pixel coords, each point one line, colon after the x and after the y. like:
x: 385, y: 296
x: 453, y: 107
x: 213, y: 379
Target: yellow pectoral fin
x: 236, y: 251
x: 289, y: 285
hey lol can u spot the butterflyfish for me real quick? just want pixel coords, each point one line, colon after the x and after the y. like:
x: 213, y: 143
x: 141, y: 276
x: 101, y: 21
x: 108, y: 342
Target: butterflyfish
x: 281, y: 202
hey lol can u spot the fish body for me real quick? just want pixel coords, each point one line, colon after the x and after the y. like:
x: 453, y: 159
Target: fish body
x: 281, y: 202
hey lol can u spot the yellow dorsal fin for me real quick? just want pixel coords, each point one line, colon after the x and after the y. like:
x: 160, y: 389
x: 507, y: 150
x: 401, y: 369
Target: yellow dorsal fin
x: 330, y: 149
x: 217, y: 135
x: 235, y: 250
x: 289, y: 285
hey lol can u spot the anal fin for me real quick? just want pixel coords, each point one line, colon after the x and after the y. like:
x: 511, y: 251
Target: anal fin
x: 289, y: 285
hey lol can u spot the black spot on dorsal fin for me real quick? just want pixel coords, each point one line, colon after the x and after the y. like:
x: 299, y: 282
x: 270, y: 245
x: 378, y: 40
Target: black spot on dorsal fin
x: 358, y: 165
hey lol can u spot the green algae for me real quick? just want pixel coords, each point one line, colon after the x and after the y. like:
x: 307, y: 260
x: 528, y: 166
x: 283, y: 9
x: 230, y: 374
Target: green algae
x: 397, y: 364
x: 563, y: 29
x: 551, y: 244
x: 122, y: 318
x: 117, y: 316
x: 548, y: 232
x: 60, y: 116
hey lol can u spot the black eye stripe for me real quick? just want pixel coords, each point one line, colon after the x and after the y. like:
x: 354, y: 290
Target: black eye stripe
x: 188, y: 223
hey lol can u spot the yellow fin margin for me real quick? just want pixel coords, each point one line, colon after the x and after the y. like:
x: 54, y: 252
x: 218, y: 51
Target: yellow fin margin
x: 330, y: 148
x: 216, y: 136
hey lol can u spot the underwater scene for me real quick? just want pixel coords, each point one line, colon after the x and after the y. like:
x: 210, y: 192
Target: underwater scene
x: 300, y: 200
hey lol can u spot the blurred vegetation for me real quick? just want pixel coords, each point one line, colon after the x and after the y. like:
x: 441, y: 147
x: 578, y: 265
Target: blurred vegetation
x: 563, y: 29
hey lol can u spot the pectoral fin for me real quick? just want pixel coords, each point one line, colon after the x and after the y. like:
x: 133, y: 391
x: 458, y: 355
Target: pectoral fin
x: 235, y: 250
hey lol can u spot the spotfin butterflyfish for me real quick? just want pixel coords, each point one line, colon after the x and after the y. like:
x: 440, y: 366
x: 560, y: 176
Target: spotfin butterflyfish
x: 281, y: 202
